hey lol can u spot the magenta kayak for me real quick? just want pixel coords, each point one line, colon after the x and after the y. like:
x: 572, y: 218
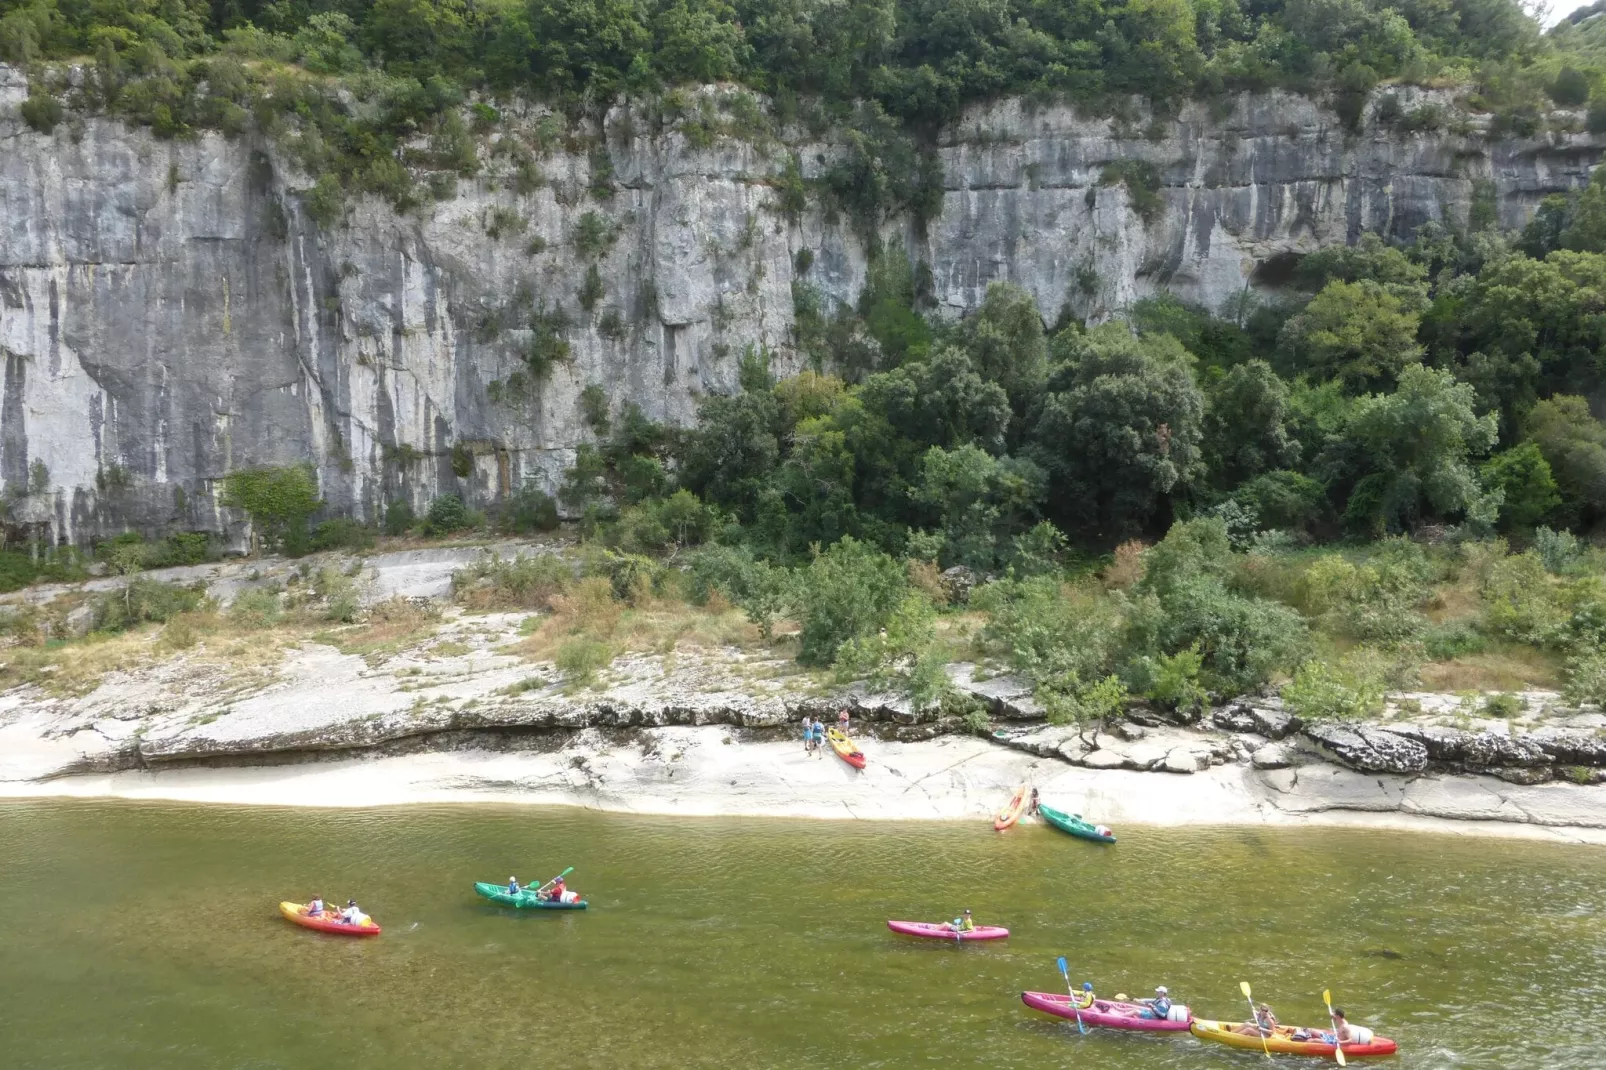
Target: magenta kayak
x: 946, y: 932
x: 1109, y: 1013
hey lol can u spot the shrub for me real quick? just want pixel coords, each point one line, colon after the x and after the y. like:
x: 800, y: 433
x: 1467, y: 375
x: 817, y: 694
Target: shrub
x: 847, y: 592
x: 1502, y: 705
x: 528, y: 509
x: 1046, y: 631
x: 343, y: 533
x: 1586, y: 679
x: 257, y: 607
x: 41, y: 112
x: 579, y: 659
x: 1559, y: 550
x: 143, y: 600
x: 339, y: 594
x: 399, y: 517
x: 525, y: 582
x: 1453, y: 639
x: 446, y: 515
x: 1521, y: 604
x: 278, y: 500
x: 1173, y: 682
x: 1322, y: 692
x: 902, y: 657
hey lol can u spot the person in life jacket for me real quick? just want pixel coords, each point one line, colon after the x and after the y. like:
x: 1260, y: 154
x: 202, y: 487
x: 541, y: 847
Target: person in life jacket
x: 963, y: 924
x: 315, y: 908
x: 353, y: 914
x: 513, y: 886
x: 1158, y: 1007
x: 1084, y: 998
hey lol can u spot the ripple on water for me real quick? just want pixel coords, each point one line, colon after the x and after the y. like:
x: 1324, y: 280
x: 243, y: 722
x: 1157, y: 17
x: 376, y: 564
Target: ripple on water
x: 153, y: 940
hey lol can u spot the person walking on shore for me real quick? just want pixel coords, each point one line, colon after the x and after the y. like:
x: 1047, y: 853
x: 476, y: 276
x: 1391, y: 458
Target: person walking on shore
x: 808, y: 735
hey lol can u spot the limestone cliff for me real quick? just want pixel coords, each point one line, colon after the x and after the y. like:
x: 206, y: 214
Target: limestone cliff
x: 169, y: 310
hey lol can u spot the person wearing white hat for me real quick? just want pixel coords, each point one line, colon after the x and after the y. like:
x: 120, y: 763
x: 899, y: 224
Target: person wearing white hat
x: 1160, y: 1005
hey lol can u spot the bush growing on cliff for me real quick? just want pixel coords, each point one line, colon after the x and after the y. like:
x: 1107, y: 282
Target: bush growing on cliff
x: 278, y: 500
x: 143, y: 600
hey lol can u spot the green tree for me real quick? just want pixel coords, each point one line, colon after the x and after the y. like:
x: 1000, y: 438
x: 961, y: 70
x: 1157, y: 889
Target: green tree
x: 698, y: 41
x: 1573, y: 444
x: 1415, y: 447
x: 1528, y: 491
x: 278, y: 500
x: 849, y: 591
x: 979, y: 501
x: 1117, y: 430
x: 1357, y: 332
x: 1246, y: 428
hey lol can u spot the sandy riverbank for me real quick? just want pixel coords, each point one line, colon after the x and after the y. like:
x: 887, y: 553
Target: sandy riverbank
x: 703, y: 771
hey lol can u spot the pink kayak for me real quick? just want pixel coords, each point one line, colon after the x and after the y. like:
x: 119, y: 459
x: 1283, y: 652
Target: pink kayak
x: 1109, y: 1013
x: 946, y: 932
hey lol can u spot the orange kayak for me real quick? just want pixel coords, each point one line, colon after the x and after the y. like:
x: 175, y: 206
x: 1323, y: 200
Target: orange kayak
x: 1011, y: 813
x: 327, y: 922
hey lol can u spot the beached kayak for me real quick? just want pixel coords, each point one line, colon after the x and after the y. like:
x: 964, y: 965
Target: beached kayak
x: 327, y: 922
x: 1281, y: 1041
x: 1109, y: 1013
x: 525, y: 900
x: 1011, y: 813
x: 1074, y: 824
x: 931, y: 931
x: 844, y: 747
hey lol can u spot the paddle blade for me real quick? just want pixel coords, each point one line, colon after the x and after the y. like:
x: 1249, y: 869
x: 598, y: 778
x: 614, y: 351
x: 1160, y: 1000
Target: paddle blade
x: 1243, y: 986
x: 1327, y: 998
x: 1065, y: 971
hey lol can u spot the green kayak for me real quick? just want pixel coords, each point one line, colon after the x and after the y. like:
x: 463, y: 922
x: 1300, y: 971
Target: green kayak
x: 1074, y: 824
x: 525, y: 900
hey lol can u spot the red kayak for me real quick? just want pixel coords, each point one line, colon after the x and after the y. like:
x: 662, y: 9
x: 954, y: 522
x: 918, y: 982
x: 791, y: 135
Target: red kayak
x: 327, y: 922
x: 933, y: 931
x: 1109, y: 1013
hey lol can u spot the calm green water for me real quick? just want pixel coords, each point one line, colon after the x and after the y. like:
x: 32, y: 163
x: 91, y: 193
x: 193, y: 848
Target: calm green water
x: 144, y: 936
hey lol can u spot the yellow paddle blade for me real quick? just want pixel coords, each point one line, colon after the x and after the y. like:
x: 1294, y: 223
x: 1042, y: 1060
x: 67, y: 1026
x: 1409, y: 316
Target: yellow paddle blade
x: 1243, y: 986
x: 1327, y: 998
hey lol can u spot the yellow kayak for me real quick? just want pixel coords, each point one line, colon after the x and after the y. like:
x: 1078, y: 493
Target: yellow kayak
x: 1011, y: 813
x: 1283, y: 1043
x: 844, y: 747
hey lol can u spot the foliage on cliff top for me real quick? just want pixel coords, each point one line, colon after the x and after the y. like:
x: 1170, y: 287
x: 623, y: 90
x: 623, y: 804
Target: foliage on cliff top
x: 920, y: 61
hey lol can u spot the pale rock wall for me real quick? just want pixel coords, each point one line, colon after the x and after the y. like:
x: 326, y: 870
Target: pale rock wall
x: 162, y: 323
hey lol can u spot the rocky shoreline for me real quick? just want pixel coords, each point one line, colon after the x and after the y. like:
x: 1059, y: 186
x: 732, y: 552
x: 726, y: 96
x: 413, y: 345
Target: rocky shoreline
x: 460, y: 715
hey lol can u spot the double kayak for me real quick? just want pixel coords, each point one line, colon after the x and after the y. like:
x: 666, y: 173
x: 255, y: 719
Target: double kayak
x: 1282, y: 1041
x: 525, y: 900
x: 1011, y: 813
x: 844, y: 747
x: 1110, y: 1013
x: 1074, y: 824
x: 934, y: 931
x: 328, y: 921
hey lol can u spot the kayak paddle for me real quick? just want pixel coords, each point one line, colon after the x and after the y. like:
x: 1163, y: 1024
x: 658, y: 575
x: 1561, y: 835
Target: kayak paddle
x: 1338, y: 1047
x: 1065, y: 972
x: 554, y: 880
x: 1254, y: 1016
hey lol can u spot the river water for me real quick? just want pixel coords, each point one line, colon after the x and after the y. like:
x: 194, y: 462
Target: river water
x: 146, y: 935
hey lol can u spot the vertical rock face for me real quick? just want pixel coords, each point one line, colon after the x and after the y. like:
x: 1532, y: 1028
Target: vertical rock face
x: 169, y: 311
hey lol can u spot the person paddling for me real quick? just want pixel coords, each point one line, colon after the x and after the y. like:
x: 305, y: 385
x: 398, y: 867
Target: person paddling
x: 353, y: 914
x: 1158, y: 1007
x: 963, y: 924
x: 1264, y: 1025
x: 1084, y: 998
